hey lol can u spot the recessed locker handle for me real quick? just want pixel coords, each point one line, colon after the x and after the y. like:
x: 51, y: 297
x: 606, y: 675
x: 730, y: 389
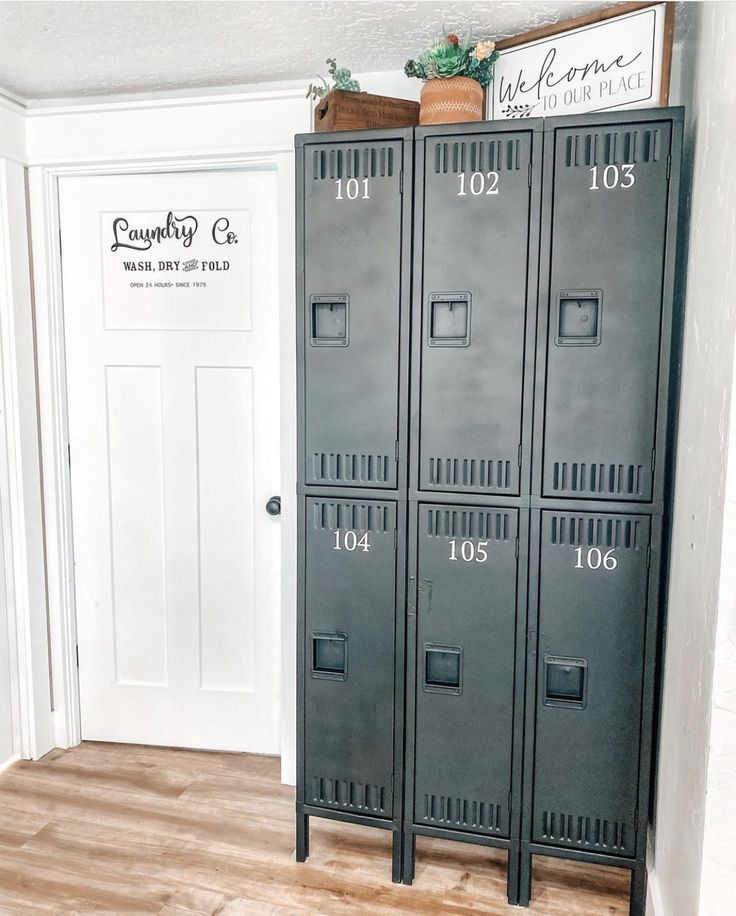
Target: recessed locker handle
x: 329, y: 316
x: 443, y: 669
x: 330, y: 656
x: 447, y: 319
x: 579, y: 317
x: 565, y: 681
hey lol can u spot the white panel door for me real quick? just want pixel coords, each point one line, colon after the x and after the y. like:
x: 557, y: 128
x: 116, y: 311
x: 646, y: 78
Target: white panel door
x: 171, y: 319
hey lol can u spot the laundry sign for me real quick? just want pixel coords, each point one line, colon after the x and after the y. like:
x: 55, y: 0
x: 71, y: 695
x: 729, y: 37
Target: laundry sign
x: 621, y: 61
x: 176, y: 269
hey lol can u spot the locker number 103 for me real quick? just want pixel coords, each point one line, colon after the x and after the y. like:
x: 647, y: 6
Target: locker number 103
x: 595, y: 559
x: 612, y: 176
x: 349, y: 540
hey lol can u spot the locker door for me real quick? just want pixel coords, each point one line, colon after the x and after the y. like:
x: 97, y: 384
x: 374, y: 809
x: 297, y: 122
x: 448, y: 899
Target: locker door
x: 474, y: 264
x: 609, y: 216
x: 352, y: 298
x: 592, y: 616
x: 349, y: 664
x: 466, y: 619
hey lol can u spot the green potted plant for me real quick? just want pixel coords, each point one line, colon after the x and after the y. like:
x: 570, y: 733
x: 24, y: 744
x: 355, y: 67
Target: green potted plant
x: 455, y: 73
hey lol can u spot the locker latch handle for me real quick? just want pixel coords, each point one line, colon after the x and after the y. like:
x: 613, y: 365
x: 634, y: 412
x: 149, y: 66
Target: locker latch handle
x: 579, y: 315
x: 565, y: 681
x: 329, y: 318
x: 330, y: 656
x: 443, y: 669
x: 447, y: 319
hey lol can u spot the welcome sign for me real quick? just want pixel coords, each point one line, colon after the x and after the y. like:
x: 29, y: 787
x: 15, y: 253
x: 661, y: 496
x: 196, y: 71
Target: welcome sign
x: 176, y: 269
x: 604, y: 65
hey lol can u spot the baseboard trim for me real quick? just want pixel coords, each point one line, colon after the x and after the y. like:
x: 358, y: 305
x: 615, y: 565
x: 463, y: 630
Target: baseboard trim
x: 655, y: 907
x: 8, y: 763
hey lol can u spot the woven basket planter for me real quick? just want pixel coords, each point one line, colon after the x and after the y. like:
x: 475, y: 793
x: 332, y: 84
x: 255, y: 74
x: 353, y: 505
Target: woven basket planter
x: 452, y: 100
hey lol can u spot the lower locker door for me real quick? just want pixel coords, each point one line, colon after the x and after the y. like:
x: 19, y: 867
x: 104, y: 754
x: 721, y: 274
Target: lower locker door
x: 350, y: 611
x: 466, y: 620
x: 592, y: 622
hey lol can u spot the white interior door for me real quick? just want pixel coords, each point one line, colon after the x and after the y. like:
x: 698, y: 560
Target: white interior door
x: 170, y: 288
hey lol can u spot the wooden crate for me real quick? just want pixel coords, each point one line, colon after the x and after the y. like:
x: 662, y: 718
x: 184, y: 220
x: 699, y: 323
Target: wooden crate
x: 340, y: 110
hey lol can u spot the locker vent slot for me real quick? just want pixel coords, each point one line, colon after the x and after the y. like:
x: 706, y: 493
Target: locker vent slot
x: 462, y: 812
x: 588, y: 832
x: 353, y: 796
x: 351, y: 516
x: 577, y: 531
x: 353, y: 162
x: 478, y: 156
x: 351, y: 468
x: 613, y: 148
x: 591, y: 478
x: 470, y: 472
x: 468, y: 523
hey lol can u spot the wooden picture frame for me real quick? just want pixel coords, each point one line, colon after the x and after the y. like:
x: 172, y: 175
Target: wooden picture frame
x: 600, y: 16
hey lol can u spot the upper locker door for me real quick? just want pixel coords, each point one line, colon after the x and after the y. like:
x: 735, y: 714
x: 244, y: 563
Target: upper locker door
x: 608, y: 231
x: 352, y: 302
x: 471, y: 291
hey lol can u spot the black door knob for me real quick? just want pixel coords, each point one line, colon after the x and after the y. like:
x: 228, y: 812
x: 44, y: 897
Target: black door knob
x: 273, y: 506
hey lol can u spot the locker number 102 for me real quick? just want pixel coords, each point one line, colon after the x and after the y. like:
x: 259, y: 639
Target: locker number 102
x: 349, y: 540
x: 595, y: 559
x: 480, y: 183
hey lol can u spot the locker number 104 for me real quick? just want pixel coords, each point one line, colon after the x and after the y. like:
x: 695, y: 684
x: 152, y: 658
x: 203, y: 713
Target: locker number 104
x: 349, y: 540
x: 595, y: 559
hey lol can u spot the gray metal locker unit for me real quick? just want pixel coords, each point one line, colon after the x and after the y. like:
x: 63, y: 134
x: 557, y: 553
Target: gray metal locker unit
x: 353, y: 276
x: 474, y: 301
x: 603, y: 431
x: 607, y: 268
x: 350, y: 663
x: 466, y: 619
x: 353, y: 280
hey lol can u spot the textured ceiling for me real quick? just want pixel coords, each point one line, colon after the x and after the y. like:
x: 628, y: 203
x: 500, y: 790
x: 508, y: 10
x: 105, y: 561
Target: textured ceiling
x: 61, y: 49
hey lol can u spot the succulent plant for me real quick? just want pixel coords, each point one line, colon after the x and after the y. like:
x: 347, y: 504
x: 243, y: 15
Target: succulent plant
x: 342, y: 78
x: 449, y: 56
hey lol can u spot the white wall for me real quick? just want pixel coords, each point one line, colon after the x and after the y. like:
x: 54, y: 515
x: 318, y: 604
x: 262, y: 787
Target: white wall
x: 696, y: 591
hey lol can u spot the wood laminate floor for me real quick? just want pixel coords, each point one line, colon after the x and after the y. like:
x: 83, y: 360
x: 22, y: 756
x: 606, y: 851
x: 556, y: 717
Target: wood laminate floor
x: 120, y: 829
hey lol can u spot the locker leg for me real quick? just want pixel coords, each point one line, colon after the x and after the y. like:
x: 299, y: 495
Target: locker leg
x: 410, y: 853
x: 525, y: 877
x: 638, y: 898
x: 302, y: 836
x: 512, y: 884
x: 397, y: 857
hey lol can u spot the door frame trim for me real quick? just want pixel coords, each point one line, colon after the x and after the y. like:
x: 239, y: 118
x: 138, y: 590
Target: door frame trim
x: 52, y: 396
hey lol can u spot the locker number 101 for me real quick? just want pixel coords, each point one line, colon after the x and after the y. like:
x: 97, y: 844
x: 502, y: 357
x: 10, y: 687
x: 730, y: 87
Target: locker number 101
x: 349, y: 540
x: 595, y: 559
x: 352, y: 189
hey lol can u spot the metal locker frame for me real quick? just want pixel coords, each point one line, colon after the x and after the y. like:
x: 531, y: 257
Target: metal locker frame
x: 675, y: 115
x: 658, y: 508
x: 533, y: 126
x: 304, y: 810
x: 410, y: 829
x: 406, y: 182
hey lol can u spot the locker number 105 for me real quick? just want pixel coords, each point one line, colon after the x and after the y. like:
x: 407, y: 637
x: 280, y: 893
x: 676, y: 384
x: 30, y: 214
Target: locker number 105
x: 349, y: 540
x: 469, y: 551
x: 595, y: 559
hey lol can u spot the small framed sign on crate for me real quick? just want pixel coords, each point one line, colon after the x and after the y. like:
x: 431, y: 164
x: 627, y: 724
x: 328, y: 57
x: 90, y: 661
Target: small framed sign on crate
x: 615, y: 58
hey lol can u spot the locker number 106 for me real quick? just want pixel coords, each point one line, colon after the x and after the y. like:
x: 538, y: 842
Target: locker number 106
x: 595, y: 559
x: 469, y: 551
x: 349, y: 540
